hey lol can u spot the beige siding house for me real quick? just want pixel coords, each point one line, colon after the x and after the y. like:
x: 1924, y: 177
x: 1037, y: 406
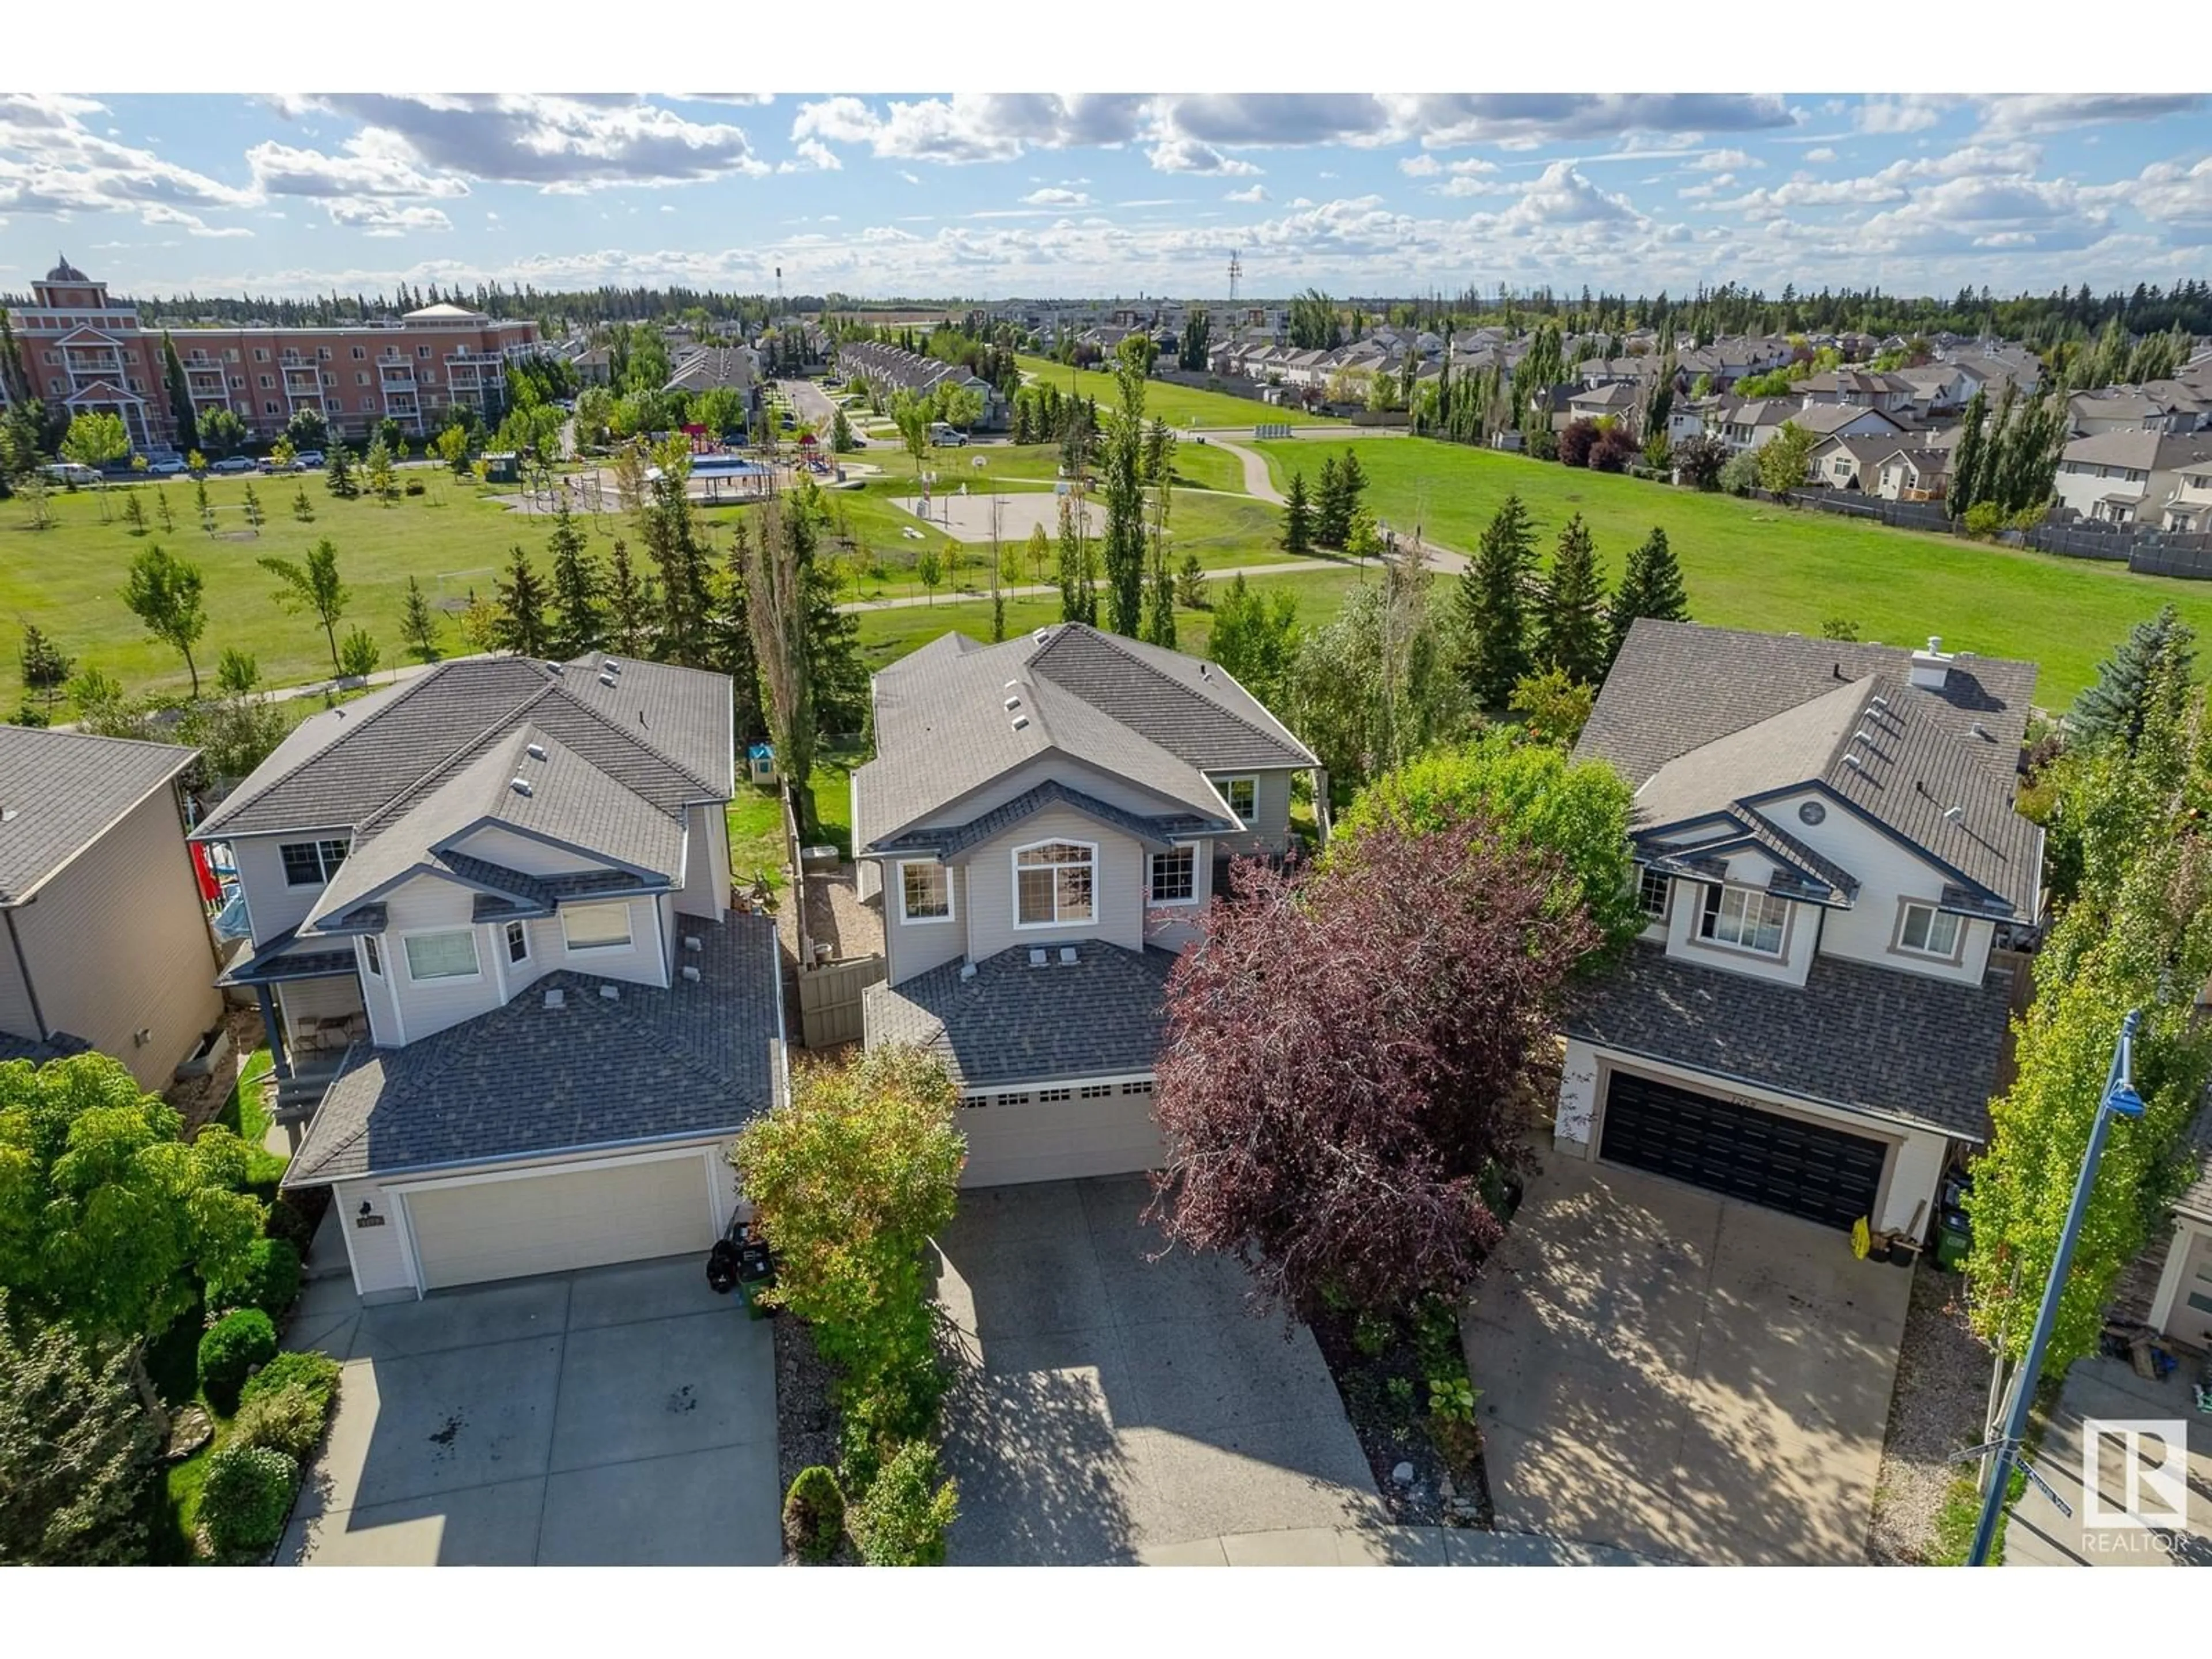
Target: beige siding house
x: 106, y: 941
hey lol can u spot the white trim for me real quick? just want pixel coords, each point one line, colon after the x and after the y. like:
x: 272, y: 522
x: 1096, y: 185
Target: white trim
x: 1935, y: 912
x: 1152, y: 899
x: 628, y: 942
x: 506, y: 943
x: 1216, y: 780
x: 2186, y: 1233
x: 442, y: 979
x: 1014, y: 875
x: 898, y: 869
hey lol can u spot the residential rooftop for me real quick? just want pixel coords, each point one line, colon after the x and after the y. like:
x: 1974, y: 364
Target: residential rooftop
x: 61, y: 790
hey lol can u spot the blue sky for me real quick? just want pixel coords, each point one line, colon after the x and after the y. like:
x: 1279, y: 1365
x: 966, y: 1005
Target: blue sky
x: 1107, y: 194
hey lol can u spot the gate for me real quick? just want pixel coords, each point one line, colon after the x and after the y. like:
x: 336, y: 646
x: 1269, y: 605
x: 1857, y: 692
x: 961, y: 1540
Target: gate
x: 829, y: 1000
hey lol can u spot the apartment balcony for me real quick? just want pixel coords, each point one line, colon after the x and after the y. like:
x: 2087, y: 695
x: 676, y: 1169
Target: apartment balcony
x: 299, y: 379
x: 397, y: 377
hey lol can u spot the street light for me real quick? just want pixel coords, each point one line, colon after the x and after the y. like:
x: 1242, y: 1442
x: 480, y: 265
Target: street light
x: 2118, y: 1100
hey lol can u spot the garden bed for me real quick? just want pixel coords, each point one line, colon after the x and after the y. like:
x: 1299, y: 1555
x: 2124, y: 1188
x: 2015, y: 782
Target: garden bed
x: 1427, y: 1467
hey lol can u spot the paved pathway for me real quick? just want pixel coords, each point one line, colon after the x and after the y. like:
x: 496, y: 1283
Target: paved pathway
x: 1388, y: 1546
x: 1258, y: 484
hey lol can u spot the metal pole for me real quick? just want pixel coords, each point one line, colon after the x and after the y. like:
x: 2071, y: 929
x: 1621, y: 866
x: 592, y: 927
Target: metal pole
x: 2118, y: 1100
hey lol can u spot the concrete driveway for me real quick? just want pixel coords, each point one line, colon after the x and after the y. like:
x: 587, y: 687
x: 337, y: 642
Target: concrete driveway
x: 1114, y: 1409
x: 623, y: 1416
x: 1681, y: 1375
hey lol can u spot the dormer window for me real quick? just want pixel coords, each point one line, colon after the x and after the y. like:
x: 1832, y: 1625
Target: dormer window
x: 1651, y: 890
x: 312, y: 863
x: 1746, y: 919
x: 1922, y: 930
x: 1242, y: 795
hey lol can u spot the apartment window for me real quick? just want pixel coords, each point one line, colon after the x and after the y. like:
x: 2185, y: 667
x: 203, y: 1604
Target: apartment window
x: 360, y: 377
x: 266, y: 382
x: 1926, y: 931
x: 1053, y: 883
x: 1243, y: 795
x: 261, y: 354
x: 230, y: 354
x: 1652, y: 893
x: 1175, y: 876
x: 518, y: 942
x: 269, y: 406
x: 323, y: 354
x: 312, y: 863
x: 595, y: 927
x: 1748, y: 920
x: 925, y: 892
x: 422, y: 351
x: 373, y: 954
x: 442, y: 956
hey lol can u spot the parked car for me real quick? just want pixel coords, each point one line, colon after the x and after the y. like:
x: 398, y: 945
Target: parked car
x: 71, y: 472
x: 307, y: 460
x: 171, y: 468
x: 234, y: 464
x: 947, y: 437
x: 268, y: 466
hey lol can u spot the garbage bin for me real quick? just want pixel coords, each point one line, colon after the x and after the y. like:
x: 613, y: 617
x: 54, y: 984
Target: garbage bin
x: 1954, y: 1236
x: 756, y: 1273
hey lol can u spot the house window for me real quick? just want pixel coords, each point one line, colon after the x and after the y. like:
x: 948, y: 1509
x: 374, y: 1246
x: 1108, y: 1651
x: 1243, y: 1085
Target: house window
x: 442, y: 956
x: 1748, y: 920
x: 925, y: 892
x: 1053, y: 883
x: 1053, y: 1096
x: 518, y: 942
x: 596, y: 927
x: 1651, y: 888
x: 1929, y: 932
x: 373, y: 954
x: 312, y: 863
x: 1175, y: 876
x: 1095, y: 1091
x: 1243, y: 795
x: 1144, y: 1088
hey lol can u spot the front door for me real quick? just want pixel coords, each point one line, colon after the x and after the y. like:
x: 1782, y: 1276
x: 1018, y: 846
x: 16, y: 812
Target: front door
x: 2190, y: 1322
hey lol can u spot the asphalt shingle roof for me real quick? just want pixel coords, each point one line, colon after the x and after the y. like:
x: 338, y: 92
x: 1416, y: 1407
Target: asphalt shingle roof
x: 1159, y: 830
x: 1013, y: 1024
x: 60, y: 790
x: 1902, y: 1046
x: 60, y: 1046
x: 524, y: 1079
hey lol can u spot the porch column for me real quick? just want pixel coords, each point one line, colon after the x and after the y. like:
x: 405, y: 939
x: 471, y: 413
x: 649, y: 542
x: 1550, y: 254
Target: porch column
x: 273, y: 1029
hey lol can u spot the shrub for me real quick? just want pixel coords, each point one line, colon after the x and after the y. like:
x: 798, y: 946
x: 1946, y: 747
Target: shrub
x: 1984, y: 518
x: 288, y: 1221
x: 288, y: 1420
x: 1739, y: 474
x: 414, y: 487
x: 902, y: 1519
x: 228, y: 1352
x: 814, y: 1516
x: 247, y: 1497
x: 270, y: 1280
x: 1577, y: 440
x: 311, y: 1373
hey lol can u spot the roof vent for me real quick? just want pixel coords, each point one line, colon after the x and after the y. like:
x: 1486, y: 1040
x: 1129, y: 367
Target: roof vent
x: 557, y: 998
x: 605, y: 679
x: 1878, y: 702
x: 691, y: 942
x: 1982, y: 732
x: 611, y: 992
x: 966, y: 970
x: 1204, y: 671
x: 1954, y: 813
x: 536, y: 751
x: 1067, y: 955
x: 1036, y: 956
x: 1042, y: 635
x: 1021, y: 722
x: 557, y: 667
x: 520, y: 786
x: 1855, y: 762
x: 1864, y: 736
x: 690, y: 974
x: 612, y: 665
x: 1013, y: 703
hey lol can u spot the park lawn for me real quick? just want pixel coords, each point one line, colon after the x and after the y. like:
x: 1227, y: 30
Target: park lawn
x: 69, y: 578
x: 1752, y: 564
x: 1180, y: 405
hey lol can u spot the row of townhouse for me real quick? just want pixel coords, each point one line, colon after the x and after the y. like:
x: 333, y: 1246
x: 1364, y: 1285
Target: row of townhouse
x: 901, y: 370
x: 85, y: 351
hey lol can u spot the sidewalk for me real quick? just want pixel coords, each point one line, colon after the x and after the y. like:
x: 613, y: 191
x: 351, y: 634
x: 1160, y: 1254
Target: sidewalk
x: 1388, y: 1546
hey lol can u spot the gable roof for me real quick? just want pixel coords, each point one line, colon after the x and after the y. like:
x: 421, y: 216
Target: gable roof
x: 61, y: 790
x: 1827, y: 418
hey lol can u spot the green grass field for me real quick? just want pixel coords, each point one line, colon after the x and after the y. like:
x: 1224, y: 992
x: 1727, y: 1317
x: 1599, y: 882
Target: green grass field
x: 1752, y: 564
x: 1179, y: 405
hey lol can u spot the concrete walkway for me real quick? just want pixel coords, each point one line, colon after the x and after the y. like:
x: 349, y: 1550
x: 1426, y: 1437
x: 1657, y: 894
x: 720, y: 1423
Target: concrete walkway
x: 1388, y: 1546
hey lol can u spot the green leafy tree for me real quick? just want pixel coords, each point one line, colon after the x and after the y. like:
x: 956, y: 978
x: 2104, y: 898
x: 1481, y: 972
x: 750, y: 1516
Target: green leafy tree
x: 1494, y: 606
x: 108, y: 1216
x: 1783, y: 458
x: 1651, y: 586
x: 313, y: 586
x: 901, y: 1518
x: 377, y: 473
x: 102, y: 707
x: 842, y: 440
x: 96, y: 440
x: 451, y: 446
x: 1572, y: 635
x: 1256, y: 638
x: 236, y: 730
x: 524, y: 628
x: 1376, y: 683
x: 307, y: 429
x: 221, y: 432
x: 418, y: 623
x: 929, y: 571
x: 167, y: 594
x: 1036, y: 552
x: 1967, y: 461
x: 1555, y: 706
x: 2119, y: 705
x: 779, y: 575
x: 358, y: 654
x: 1123, y: 554
x: 46, y: 666
x: 1298, y: 517
x: 1078, y: 589
x: 77, y: 1449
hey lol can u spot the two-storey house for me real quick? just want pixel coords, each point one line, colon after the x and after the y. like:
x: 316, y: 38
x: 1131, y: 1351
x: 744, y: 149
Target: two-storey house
x: 1041, y: 823
x: 1828, y: 852
x: 493, y: 905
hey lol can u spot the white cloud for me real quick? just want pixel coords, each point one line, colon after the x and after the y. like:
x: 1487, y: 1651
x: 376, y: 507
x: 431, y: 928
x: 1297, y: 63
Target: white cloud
x: 1725, y: 160
x: 1424, y: 166
x: 969, y: 127
x: 1822, y: 153
x: 812, y: 156
x: 1249, y: 193
x: 50, y: 162
x: 383, y: 219
x: 2169, y: 193
x: 1192, y: 156
x: 1911, y: 112
x: 2039, y: 112
x: 1053, y: 197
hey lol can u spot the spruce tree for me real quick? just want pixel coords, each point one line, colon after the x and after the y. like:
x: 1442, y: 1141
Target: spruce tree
x: 1651, y: 586
x: 629, y: 602
x: 1493, y: 606
x: 579, y: 609
x: 1332, y: 513
x: 338, y: 471
x: 1352, y: 483
x: 302, y: 508
x: 418, y: 623
x: 1572, y: 630
x: 2118, y: 705
x: 46, y: 667
x: 1967, y: 459
x: 1298, y: 517
x: 522, y: 627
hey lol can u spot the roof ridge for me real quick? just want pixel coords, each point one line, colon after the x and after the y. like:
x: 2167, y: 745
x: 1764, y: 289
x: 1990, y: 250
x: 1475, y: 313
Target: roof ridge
x: 450, y: 755
x: 1115, y: 643
x: 666, y: 759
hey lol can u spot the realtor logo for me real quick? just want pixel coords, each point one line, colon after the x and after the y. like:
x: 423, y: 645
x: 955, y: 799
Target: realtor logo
x: 2141, y: 1462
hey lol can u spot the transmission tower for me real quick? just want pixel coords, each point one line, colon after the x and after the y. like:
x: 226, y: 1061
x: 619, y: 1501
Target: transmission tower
x: 1235, y: 319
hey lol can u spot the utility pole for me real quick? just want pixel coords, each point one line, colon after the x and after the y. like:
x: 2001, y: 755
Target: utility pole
x: 1235, y: 319
x: 2118, y: 1100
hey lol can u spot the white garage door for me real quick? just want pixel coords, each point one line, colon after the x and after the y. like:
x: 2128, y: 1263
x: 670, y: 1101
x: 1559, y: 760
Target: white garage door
x: 581, y: 1216
x: 1060, y: 1133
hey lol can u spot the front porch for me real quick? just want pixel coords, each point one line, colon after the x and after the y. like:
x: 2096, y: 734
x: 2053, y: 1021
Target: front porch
x: 312, y: 1016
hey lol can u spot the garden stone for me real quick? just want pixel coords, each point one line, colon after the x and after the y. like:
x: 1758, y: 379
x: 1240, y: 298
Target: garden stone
x: 1402, y: 1474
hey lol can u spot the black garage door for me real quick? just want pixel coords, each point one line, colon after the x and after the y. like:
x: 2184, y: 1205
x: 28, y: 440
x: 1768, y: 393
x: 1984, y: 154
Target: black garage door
x: 1783, y: 1162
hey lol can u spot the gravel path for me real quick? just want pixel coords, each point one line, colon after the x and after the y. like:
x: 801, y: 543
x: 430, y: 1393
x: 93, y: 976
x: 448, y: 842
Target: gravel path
x: 1935, y: 1413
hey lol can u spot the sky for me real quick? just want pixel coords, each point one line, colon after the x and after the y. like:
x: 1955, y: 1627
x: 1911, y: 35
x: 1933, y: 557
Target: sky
x: 1102, y: 196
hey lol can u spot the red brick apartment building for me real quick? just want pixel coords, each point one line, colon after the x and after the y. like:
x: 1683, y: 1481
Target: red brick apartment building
x: 86, y: 352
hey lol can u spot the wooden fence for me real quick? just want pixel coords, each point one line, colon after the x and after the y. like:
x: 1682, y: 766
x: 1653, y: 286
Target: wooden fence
x: 829, y: 991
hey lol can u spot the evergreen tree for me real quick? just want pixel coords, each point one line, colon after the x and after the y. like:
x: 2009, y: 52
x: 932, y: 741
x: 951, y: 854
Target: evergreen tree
x: 1651, y: 586
x: 2118, y: 706
x: 181, y: 412
x: 630, y: 602
x: 578, y: 589
x: 302, y: 508
x: 46, y: 667
x: 671, y: 539
x: 418, y: 623
x: 523, y: 628
x: 1352, y: 483
x: 1492, y: 606
x: 1967, y: 459
x: 1298, y: 517
x: 337, y: 471
x: 1572, y: 631
x: 1332, y: 526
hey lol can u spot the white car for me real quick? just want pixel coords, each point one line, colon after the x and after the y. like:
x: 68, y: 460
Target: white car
x: 71, y: 472
x: 234, y: 464
x: 169, y: 469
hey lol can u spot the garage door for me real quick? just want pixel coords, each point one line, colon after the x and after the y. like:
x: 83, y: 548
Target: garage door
x: 582, y: 1216
x: 1060, y: 1133
x: 1785, y: 1163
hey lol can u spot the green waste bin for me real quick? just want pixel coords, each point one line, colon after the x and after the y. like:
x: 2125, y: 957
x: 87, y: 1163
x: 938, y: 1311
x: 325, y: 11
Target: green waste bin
x: 1952, y: 1240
